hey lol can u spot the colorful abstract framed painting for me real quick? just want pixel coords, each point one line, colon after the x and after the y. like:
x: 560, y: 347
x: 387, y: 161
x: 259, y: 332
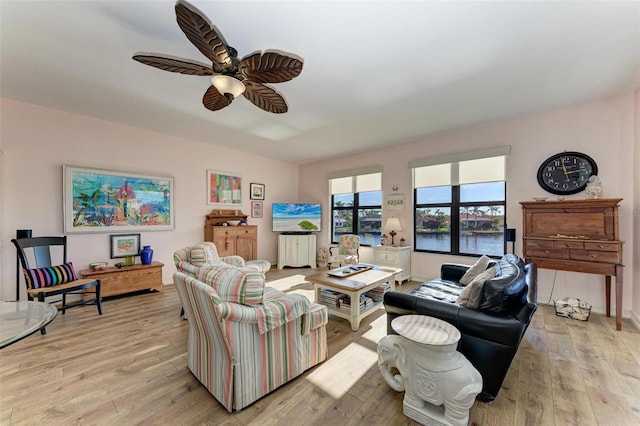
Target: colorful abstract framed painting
x: 124, y: 245
x: 224, y: 189
x: 97, y: 200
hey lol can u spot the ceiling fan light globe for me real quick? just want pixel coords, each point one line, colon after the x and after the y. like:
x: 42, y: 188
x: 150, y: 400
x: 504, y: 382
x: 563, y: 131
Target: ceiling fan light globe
x: 228, y: 85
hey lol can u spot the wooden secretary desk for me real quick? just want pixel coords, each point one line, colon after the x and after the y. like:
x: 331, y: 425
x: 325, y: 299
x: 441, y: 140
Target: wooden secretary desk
x: 577, y: 236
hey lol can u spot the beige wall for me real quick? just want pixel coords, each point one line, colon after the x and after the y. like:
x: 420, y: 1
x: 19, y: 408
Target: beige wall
x: 37, y: 141
x: 604, y: 130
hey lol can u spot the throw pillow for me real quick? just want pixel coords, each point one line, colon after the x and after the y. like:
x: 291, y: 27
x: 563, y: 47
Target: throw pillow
x: 50, y: 276
x: 234, y: 285
x: 506, y: 292
x: 471, y: 295
x: 203, y: 253
x: 475, y: 269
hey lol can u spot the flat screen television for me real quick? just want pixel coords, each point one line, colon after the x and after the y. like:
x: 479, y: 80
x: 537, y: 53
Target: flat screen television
x: 296, y: 218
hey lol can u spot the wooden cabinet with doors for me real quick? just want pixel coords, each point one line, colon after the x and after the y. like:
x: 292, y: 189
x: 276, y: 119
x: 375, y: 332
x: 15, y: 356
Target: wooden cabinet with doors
x: 241, y: 240
x: 578, y: 236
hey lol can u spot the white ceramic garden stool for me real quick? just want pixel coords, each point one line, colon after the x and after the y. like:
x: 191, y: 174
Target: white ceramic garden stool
x: 440, y: 384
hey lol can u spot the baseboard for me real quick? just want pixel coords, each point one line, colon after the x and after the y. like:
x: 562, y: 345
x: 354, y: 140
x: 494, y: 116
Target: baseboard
x: 635, y: 320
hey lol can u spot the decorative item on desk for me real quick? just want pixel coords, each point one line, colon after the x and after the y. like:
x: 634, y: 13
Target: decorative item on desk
x: 146, y: 255
x: 403, y: 242
x: 393, y: 224
x: 594, y: 188
x: 129, y: 260
x: 383, y: 240
x: 233, y: 222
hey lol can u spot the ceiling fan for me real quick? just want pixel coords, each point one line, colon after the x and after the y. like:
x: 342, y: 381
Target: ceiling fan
x: 231, y: 76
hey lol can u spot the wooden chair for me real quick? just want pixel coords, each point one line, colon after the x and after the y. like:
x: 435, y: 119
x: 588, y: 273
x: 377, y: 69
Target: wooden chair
x: 46, y: 279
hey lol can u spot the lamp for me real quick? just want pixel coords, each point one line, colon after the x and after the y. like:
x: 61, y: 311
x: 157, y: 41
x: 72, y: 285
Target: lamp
x: 227, y: 85
x: 392, y: 224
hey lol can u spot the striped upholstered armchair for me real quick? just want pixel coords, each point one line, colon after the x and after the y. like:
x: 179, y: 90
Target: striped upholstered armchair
x: 191, y: 260
x: 245, y: 339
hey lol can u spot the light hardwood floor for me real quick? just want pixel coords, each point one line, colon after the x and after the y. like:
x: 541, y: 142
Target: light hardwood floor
x: 128, y: 366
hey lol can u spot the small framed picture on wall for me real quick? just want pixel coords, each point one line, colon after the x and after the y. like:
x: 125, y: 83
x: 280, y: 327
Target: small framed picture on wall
x: 256, y: 191
x: 256, y: 209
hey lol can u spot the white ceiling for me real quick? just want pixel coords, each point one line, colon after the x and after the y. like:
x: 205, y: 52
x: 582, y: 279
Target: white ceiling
x: 376, y: 73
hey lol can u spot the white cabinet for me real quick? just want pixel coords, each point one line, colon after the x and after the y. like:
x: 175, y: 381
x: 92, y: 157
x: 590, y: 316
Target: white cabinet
x: 398, y: 257
x: 296, y: 250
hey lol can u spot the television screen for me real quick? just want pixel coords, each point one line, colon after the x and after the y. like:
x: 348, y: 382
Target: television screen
x: 290, y: 217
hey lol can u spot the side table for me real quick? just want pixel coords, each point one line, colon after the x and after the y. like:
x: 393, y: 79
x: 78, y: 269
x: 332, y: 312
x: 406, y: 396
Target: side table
x: 116, y: 281
x: 440, y: 384
x: 396, y: 257
x: 21, y: 319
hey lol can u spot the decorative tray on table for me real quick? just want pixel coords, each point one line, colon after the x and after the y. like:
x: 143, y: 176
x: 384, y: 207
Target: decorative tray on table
x: 345, y: 271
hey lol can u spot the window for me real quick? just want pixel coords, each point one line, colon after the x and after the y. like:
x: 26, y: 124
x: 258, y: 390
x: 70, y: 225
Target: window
x: 356, y: 207
x: 460, y: 204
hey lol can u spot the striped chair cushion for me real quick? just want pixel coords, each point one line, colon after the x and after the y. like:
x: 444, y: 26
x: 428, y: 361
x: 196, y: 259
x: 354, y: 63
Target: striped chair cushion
x: 258, y: 265
x: 235, y: 286
x: 203, y: 253
x: 271, y: 315
x: 50, y: 276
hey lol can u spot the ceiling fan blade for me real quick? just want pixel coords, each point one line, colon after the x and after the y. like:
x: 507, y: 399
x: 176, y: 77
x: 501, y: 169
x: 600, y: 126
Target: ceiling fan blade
x: 204, y: 37
x: 174, y: 65
x: 269, y: 67
x: 213, y: 100
x: 264, y: 97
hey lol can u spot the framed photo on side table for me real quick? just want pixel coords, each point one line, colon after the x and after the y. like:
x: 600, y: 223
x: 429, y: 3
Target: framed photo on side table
x: 256, y: 191
x: 125, y: 245
x: 256, y: 209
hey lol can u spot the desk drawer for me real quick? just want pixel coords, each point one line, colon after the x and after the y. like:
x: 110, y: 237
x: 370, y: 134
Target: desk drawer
x: 547, y: 252
x: 536, y: 244
x: 568, y: 244
x: 595, y: 256
x: 602, y: 246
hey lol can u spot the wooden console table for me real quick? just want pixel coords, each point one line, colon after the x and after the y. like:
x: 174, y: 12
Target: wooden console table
x: 577, y: 236
x: 114, y: 281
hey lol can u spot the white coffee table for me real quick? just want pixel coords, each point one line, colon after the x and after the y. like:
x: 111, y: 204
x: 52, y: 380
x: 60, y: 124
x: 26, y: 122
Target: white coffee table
x: 353, y: 286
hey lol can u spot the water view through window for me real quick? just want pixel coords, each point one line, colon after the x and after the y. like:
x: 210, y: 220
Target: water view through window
x: 477, y: 228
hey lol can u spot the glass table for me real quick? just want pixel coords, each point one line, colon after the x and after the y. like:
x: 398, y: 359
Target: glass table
x: 23, y: 318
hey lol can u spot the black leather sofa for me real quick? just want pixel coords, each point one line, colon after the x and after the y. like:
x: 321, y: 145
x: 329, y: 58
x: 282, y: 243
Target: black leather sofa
x: 491, y: 334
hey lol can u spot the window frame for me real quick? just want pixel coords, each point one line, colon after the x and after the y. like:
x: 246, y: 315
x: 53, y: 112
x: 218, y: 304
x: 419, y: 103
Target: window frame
x: 454, y: 205
x: 355, y: 208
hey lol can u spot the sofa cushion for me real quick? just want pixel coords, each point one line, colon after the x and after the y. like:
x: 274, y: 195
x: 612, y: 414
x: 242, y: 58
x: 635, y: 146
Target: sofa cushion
x: 439, y: 289
x: 234, y: 285
x: 471, y: 295
x: 476, y: 269
x: 503, y: 293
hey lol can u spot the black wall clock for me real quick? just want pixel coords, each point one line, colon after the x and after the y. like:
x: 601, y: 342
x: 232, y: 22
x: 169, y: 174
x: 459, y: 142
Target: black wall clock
x: 566, y: 173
